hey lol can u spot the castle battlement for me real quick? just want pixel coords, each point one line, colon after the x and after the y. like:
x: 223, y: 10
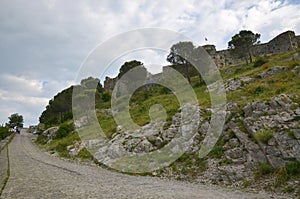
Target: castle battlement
x: 284, y: 42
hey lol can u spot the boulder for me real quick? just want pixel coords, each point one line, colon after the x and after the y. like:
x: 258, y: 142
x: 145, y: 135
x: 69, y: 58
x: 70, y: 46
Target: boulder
x: 50, y: 133
x: 271, y: 72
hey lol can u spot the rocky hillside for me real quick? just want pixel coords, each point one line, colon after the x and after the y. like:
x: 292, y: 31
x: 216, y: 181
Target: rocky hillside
x: 260, y: 144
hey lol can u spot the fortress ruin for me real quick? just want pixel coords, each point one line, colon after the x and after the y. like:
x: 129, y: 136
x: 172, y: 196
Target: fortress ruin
x: 284, y: 42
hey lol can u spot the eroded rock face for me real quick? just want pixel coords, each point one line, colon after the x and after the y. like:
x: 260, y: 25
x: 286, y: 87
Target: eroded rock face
x: 277, y: 114
x: 242, y: 153
x: 152, y: 136
x: 234, y: 84
x: 296, y: 70
x: 50, y: 133
x: 75, y: 148
x: 230, y: 85
x: 272, y: 71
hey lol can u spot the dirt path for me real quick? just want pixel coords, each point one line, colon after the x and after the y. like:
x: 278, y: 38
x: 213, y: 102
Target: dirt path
x: 35, y: 174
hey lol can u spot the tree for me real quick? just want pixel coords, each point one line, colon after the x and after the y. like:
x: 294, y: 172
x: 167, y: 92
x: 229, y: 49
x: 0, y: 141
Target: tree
x: 180, y: 53
x: 128, y: 66
x: 59, y: 108
x: 15, y: 120
x: 242, y: 43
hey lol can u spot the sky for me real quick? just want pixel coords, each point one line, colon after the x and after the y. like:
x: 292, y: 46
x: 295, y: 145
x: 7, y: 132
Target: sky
x: 43, y: 43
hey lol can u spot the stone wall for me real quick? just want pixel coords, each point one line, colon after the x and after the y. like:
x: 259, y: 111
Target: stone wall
x: 221, y: 58
x: 109, y: 84
x: 284, y: 42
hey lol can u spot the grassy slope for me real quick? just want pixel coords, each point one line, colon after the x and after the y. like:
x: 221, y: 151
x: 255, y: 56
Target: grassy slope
x: 189, y: 166
x: 142, y: 100
x: 284, y: 82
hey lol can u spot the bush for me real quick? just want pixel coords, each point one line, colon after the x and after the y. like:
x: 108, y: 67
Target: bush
x: 67, y: 116
x: 42, y: 139
x: 258, y: 90
x: 280, y: 90
x: 259, y: 62
x: 216, y: 152
x: 263, y: 135
x: 61, y: 148
x: 85, y: 154
x: 106, y: 96
x: 64, y: 130
x: 281, y: 177
x: 4, y: 132
x: 293, y: 168
x: 297, y: 118
x: 165, y: 90
x: 265, y: 168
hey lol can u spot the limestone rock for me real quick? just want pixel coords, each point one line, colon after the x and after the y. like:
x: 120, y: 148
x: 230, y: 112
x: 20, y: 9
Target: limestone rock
x: 271, y: 72
x: 50, y: 133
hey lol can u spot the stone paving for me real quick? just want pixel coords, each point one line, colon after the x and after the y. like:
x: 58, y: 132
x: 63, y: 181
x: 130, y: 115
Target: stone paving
x: 3, y: 166
x: 36, y: 174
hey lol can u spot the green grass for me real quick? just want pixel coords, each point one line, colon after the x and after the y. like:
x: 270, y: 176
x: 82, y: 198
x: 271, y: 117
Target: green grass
x: 264, y: 89
x: 293, y: 168
x: 263, y: 135
x: 85, y: 154
x: 64, y: 130
x: 216, y: 152
x: 4, y: 132
x: 264, y: 169
x: 60, y: 145
x: 259, y: 90
x: 107, y: 124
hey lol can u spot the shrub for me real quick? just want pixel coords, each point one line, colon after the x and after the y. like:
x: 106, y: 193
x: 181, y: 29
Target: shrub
x: 281, y: 177
x: 289, y: 189
x: 293, y: 168
x: 297, y: 118
x: 67, y: 116
x: 64, y: 130
x: 61, y: 148
x: 42, y: 139
x: 259, y: 62
x: 265, y: 168
x: 258, y: 90
x: 85, y: 154
x: 4, y: 132
x: 263, y: 135
x: 165, y: 90
x: 216, y: 152
x: 291, y: 134
x: 106, y: 96
x: 280, y: 90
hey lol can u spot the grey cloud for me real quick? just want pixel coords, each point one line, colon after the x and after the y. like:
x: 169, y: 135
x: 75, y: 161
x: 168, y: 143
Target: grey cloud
x: 46, y: 41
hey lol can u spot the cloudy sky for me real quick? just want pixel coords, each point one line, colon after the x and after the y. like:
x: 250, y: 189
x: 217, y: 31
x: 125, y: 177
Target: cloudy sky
x: 44, y: 42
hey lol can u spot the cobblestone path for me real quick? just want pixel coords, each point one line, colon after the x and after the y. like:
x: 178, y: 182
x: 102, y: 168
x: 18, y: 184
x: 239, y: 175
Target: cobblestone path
x: 35, y: 174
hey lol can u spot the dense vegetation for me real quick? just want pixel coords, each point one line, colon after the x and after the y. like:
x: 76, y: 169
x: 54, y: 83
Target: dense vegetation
x: 59, y: 109
x: 4, y: 132
x: 15, y: 120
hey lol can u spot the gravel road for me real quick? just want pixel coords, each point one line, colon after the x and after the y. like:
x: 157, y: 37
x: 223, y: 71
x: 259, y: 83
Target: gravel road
x: 35, y: 174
